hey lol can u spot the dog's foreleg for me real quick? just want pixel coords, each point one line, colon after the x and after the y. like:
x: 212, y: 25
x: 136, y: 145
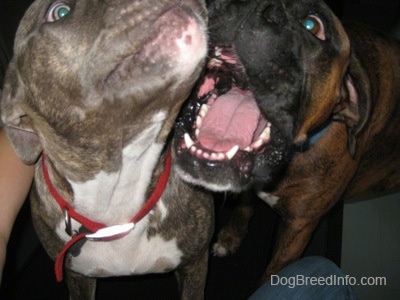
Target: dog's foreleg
x: 192, y: 278
x: 294, y: 236
x: 80, y: 287
x: 231, y: 236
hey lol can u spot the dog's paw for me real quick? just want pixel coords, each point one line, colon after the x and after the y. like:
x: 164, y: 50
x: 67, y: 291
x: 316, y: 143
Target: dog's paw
x: 228, y: 242
x: 219, y: 250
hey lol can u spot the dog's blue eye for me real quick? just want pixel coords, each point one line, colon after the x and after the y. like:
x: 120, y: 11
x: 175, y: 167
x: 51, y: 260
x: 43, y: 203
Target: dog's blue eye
x: 309, y: 24
x: 314, y: 25
x: 58, y: 11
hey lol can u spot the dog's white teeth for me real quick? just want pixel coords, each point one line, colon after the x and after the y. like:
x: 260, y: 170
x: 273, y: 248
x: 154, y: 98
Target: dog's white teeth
x: 193, y: 149
x: 221, y: 156
x: 212, y: 99
x: 231, y: 153
x: 218, y: 51
x: 202, y: 113
x: 188, y: 141
x: 262, y: 139
x: 199, y: 121
x: 214, y: 62
x: 257, y: 144
x: 197, y: 132
x: 248, y: 149
x: 204, y: 110
x: 190, y: 144
x: 266, y: 134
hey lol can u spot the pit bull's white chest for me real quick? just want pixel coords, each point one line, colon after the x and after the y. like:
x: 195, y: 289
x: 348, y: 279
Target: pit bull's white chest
x: 114, y: 199
x: 135, y: 253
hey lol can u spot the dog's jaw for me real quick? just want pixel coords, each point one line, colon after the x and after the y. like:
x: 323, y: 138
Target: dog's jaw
x: 222, y: 131
x: 275, y: 68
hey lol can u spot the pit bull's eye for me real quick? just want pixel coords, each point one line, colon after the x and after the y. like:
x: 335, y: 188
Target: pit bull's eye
x: 314, y: 25
x: 57, y: 11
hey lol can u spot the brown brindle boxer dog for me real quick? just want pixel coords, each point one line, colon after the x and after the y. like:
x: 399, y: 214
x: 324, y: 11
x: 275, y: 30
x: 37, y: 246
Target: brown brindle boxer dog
x: 91, y: 95
x: 294, y: 104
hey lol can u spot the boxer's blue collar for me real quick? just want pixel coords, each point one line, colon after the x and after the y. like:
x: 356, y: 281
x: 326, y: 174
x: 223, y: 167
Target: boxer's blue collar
x: 316, y: 136
x: 312, y: 139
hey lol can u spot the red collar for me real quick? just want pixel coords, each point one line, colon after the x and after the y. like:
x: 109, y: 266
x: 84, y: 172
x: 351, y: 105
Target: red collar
x: 100, y: 231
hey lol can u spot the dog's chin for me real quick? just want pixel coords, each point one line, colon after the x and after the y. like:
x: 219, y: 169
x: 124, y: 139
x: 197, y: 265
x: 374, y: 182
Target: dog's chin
x: 223, y: 141
x: 177, y: 32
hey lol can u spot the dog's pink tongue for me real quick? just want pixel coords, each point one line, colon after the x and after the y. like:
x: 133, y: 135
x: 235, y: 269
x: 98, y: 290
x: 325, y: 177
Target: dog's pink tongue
x: 232, y: 120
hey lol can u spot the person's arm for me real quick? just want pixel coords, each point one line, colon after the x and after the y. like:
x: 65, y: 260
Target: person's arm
x: 15, y: 181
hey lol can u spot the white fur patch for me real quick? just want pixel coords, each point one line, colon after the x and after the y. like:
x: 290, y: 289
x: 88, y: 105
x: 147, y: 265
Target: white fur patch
x: 163, y: 210
x: 271, y: 200
x: 132, y: 254
x: 215, y: 187
x: 219, y: 250
x: 115, y: 198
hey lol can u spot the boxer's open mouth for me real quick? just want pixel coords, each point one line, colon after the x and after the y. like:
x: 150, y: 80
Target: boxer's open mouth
x: 224, y: 123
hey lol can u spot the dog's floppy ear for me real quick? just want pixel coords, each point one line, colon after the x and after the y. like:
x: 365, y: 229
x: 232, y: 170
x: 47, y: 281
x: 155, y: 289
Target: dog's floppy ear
x: 355, y: 105
x: 17, y: 122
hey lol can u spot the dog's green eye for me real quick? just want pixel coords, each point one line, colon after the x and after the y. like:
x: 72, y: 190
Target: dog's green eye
x: 62, y: 12
x: 58, y: 11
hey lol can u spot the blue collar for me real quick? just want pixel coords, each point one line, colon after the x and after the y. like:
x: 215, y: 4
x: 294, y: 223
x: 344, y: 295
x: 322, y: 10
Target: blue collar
x: 312, y: 140
x: 315, y: 137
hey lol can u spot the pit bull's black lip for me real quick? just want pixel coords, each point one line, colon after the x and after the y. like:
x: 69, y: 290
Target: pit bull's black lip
x: 235, y: 166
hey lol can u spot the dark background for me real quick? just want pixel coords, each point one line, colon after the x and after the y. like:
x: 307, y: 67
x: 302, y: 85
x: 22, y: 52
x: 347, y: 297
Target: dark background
x: 29, y: 272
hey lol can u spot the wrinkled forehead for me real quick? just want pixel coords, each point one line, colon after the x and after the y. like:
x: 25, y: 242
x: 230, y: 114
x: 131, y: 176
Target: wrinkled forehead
x: 296, y: 9
x: 227, y: 18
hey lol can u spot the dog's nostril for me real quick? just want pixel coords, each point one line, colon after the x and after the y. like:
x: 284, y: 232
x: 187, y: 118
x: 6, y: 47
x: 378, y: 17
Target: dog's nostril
x: 272, y: 14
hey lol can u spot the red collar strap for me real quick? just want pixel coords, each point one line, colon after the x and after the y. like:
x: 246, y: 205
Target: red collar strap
x: 100, y: 231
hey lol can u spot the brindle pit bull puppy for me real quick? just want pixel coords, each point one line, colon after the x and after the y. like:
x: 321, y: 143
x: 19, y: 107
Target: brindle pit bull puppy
x: 287, y: 82
x: 91, y: 95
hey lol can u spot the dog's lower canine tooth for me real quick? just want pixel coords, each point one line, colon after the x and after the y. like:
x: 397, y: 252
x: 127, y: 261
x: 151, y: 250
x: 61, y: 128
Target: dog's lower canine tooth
x: 231, y: 153
x: 188, y: 141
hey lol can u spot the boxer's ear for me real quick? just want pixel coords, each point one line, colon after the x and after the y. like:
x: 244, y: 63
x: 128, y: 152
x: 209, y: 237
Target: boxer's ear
x: 17, y: 123
x: 354, y: 107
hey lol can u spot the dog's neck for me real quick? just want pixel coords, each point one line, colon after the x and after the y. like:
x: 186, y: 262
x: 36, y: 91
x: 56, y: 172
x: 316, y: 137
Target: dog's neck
x: 113, y: 198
